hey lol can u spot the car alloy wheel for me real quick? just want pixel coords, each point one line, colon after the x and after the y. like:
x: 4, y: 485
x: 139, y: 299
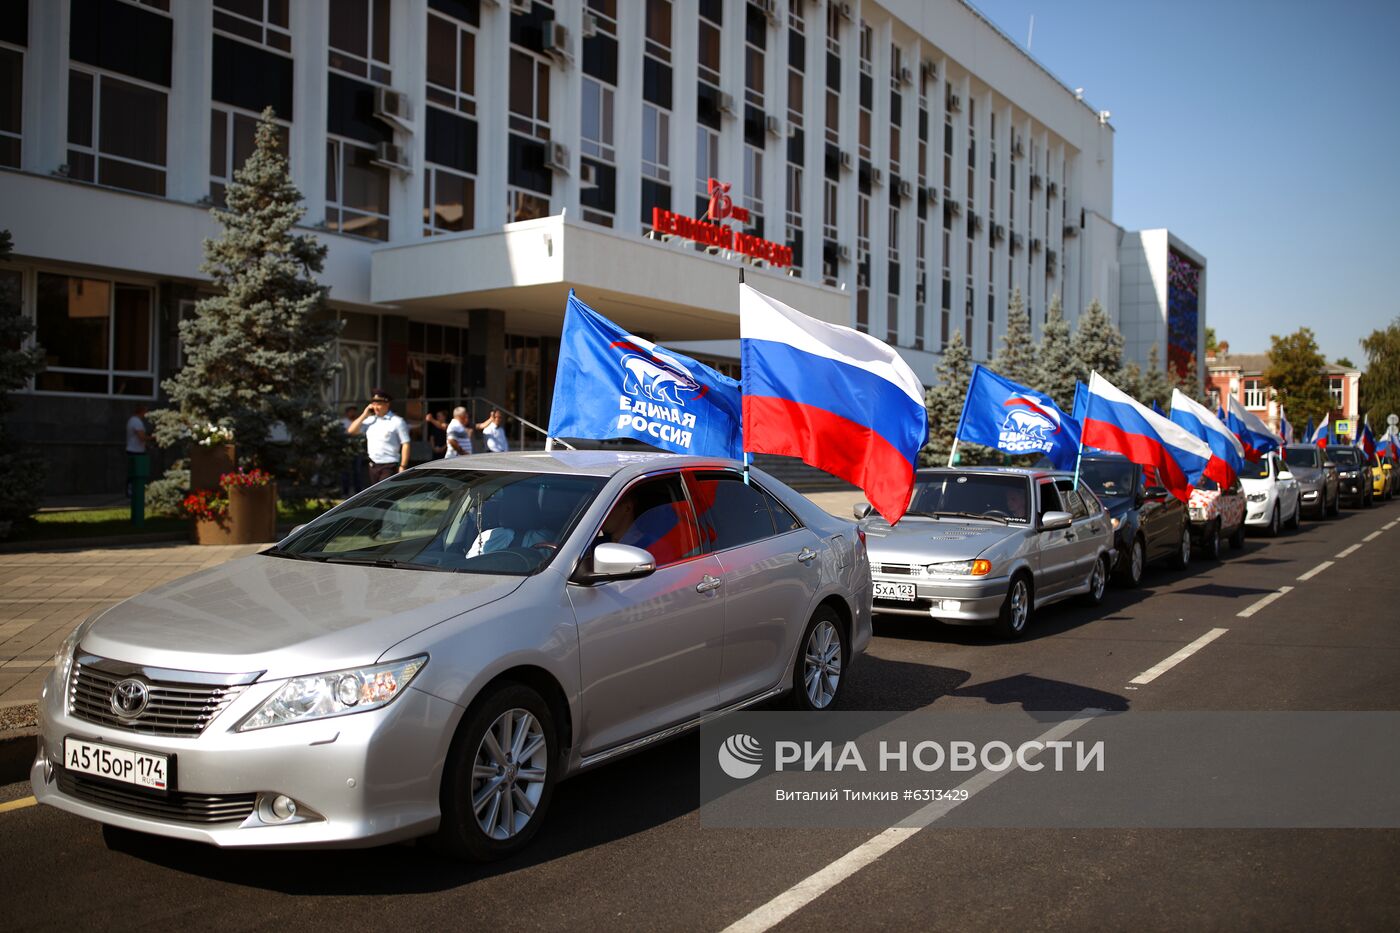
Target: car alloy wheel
x: 1016, y: 609
x: 821, y: 664
x: 1210, y: 546
x: 509, y: 773
x: 1182, y: 558
x: 1098, y: 582
x: 1272, y: 530
x: 1131, y: 573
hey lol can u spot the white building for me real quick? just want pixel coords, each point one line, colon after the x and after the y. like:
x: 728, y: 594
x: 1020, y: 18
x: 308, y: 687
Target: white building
x: 1162, y: 302
x: 469, y: 161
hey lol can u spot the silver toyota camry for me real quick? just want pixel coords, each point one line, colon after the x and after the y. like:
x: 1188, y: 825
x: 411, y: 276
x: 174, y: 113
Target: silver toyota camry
x: 430, y: 657
x: 988, y: 545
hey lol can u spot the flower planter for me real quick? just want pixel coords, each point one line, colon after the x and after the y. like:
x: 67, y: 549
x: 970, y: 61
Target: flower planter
x: 210, y: 531
x: 252, y: 514
x: 207, y: 464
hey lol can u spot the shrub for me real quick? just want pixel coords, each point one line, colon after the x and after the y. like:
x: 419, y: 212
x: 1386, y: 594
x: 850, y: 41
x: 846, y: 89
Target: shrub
x: 163, y: 496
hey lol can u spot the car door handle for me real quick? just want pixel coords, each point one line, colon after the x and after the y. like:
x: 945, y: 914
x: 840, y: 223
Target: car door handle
x: 707, y: 583
x: 1069, y: 536
x: 806, y: 554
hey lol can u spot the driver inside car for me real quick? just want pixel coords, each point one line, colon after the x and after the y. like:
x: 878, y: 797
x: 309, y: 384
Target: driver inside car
x: 522, y: 529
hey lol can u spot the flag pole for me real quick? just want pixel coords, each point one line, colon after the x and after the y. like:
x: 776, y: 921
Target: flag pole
x: 953, y: 453
x: 746, y: 453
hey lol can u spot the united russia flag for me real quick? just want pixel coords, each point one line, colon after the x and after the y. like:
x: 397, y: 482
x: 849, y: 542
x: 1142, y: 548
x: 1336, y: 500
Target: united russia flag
x: 840, y: 400
x: 1227, y: 452
x: 1115, y: 421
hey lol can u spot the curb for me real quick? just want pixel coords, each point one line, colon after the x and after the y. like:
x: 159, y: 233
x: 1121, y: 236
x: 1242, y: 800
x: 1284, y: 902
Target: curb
x: 17, y: 750
x: 84, y: 544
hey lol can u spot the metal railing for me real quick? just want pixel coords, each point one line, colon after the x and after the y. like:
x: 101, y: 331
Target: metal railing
x: 471, y: 405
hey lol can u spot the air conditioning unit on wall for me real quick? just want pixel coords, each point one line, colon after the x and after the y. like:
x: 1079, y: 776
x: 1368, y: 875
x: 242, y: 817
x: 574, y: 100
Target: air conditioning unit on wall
x: 393, y: 108
x: 556, y: 158
x: 556, y: 41
x: 392, y: 157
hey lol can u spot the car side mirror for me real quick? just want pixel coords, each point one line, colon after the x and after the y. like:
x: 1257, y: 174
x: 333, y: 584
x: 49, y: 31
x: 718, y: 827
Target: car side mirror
x: 1329, y: 465
x: 1054, y: 520
x: 610, y: 562
x: 861, y: 510
x: 1154, y: 492
x: 1285, y: 474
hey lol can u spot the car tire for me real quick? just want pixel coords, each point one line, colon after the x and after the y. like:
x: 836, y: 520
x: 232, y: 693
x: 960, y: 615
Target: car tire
x: 821, y: 658
x: 1182, y: 558
x: 1134, y: 563
x: 1272, y: 529
x: 1098, y: 582
x: 480, y: 834
x: 1336, y: 506
x: 1016, y: 608
x: 1210, y: 543
x: 1296, y: 521
x: 1237, y: 539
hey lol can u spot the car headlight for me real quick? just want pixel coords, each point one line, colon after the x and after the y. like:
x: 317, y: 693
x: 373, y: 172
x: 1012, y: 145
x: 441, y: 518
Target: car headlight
x: 63, y: 659
x: 1257, y: 496
x: 1198, y: 515
x: 337, y: 693
x: 966, y: 568
x: 1117, y: 522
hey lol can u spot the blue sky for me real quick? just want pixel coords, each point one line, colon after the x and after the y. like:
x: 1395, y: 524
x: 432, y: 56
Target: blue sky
x: 1264, y: 134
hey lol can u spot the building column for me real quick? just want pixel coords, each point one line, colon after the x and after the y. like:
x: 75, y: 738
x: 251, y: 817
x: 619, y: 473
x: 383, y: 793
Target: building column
x: 45, y: 144
x: 191, y: 88
x: 408, y: 33
x: 493, y: 59
x: 485, y: 372
x: 566, y: 110
x: 627, y: 124
x: 309, y: 109
x: 684, y: 58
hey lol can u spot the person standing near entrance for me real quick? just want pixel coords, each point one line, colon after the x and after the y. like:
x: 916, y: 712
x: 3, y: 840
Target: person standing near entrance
x: 435, y: 433
x: 136, y: 439
x: 386, y: 435
x: 494, y: 430
x: 459, y: 434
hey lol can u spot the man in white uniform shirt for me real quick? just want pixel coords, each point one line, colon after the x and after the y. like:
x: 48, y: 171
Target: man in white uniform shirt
x: 459, y: 434
x: 386, y: 435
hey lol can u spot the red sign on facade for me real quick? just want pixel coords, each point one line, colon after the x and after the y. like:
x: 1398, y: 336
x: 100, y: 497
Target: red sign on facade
x: 716, y: 234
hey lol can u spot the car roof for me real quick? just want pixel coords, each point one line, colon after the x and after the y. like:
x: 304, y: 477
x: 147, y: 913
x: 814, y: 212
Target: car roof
x: 1029, y: 472
x: 578, y: 462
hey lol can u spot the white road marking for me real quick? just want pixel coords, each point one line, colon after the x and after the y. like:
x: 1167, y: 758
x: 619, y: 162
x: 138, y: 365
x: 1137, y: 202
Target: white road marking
x: 1264, y: 601
x: 1315, y: 571
x: 815, y: 885
x: 1350, y: 550
x: 1152, y: 673
x: 1373, y: 535
x: 1390, y: 524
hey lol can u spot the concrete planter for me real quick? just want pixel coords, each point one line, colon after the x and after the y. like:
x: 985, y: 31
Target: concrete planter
x: 211, y: 531
x: 251, y: 518
x: 207, y: 464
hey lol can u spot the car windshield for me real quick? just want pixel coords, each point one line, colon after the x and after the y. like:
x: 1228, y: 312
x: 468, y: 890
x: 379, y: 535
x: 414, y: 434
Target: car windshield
x: 1108, y: 478
x: 1343, y: 456
x: 467, y: 521
x: 974, y: 494
x: 1301, y: 456
x: 1256, y: 470
x: 1208, y: 485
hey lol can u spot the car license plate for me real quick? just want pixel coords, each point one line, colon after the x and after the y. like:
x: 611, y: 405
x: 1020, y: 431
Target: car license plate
x: 903, y: 592
x: 117, y: 764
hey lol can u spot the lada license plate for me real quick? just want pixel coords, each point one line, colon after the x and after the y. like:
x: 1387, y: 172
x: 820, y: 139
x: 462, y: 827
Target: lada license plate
x: 903, y: 592
x: 117, y: 764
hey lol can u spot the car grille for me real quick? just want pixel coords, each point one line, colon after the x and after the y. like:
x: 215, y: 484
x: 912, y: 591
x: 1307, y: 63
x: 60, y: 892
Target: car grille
x: 174, y: 709
x: 178, y: 807
x: 903, y: 570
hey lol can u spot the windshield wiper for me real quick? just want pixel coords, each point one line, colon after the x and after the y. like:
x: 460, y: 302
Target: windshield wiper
x: 388, y: 562
x: 990, y: 518
x: 933, y: 515
x: 278, y: 552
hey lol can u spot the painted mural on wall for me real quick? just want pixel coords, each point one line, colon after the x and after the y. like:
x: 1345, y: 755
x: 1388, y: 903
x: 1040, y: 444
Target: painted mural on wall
x: 1183, y: 314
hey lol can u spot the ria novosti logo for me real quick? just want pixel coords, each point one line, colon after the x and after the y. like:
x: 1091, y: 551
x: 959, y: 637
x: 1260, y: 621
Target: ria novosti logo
x: 740, y: 756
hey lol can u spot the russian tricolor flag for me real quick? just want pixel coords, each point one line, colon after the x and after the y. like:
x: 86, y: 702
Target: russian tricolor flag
x: 1256, y: 436
x: 1116, y: 421
x: 840, y: 400
x: 1228, y: 452
x: 1285, y: 428
x: 1366, y: 441
x: 1323, y: 435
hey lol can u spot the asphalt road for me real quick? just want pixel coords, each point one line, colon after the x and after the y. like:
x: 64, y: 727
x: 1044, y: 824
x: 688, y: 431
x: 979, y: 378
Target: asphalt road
x: 624, y: 846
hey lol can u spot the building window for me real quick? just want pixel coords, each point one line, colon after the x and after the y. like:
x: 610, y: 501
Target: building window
x: 529, y: 94
x: 658, y: 43
x: 892, y: 321
x: 11, y: 104
x: 1334, y: 386
x: 863, y: 310
x: 797, y: 53
x: 232, y: 137
x: 357, y: 191
x: 597, y: 120
x: 451, y: 64
x: 656, y: 143
x: 116, y: 132
x: 753, y: 186
x: 756, y: 35
x: 1254, y: 394
x: 867, y: 39
x: 359, y: 39
x: 708, y: 35
x: 262, y: 21
x: 706, y: 160
x: 449, y: 201
x: 833, y: 28
x: 97, y: 335
x: 525, y: 205
x: 793, y: 233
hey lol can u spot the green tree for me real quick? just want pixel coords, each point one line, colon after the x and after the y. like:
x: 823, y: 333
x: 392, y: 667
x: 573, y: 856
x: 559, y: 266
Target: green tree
x: 1097, y: 345
x: 1056, y: 369
x: 1211, y: 343
x: 1380, y: 384
x: 1155, y: 385
x: 1345, y: 361
x: 22, y: 467
x: 944, y: 402
x: 1015, y: 359
x: 1295, y: 373
x: 257, y: 352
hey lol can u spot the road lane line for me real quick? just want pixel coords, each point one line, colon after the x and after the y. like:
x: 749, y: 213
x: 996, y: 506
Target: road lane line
x: 1315, y: 571
x: 1373, y: 535
x: 19, y: 804
x: 815, y: 885
x: 1390, y: 524
x: 1152, y: 673
x: 1354, y: 548
x: 1264, y: 601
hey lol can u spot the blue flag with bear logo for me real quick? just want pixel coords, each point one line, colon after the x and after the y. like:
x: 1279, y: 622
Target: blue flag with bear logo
x: 1012, y: 418
x: 614, y: 384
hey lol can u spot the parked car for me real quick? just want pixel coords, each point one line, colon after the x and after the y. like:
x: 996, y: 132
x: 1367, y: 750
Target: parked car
x: 1356, y: 487
x: 1273, y: 495
x: 1382, y: 480
x: 1149, y: 523
x: 432, y: 656
x: 989, y: 546
x: 1216, y: 515
x: 1319, y: 481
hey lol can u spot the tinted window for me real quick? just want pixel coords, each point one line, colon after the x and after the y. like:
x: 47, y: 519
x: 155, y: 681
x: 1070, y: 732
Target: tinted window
x: 1073, y: 504
x: 1091, y: 501
x: 1049, y: 499
x: 783, y: 520
x: 654, y: 515
x: 1111, y: 478
x: 1258, y: 470
x: 974, y: 493
x: 1340, y: 455
x: 1301, y: 456
x: 731, y: 512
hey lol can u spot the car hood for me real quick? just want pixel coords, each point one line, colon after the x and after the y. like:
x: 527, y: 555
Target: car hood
x: 920, y: 541
x: 1306, y: 475
x: 285, y: 617
x: 1117, y: 506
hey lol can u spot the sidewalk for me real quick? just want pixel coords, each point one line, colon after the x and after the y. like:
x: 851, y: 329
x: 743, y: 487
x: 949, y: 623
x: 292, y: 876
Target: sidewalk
x: 47, y: 593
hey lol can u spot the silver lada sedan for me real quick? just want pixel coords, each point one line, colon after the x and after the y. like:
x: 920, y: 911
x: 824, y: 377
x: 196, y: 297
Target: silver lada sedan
x: 987, y: 545
x: 431, y: 656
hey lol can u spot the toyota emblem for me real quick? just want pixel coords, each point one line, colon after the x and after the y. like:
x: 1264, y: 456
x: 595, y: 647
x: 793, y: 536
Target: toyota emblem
x: 129, y: 699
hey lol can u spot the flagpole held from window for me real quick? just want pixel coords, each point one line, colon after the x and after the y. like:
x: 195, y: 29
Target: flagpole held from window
x: 953, y: 453
x: 746, y: 453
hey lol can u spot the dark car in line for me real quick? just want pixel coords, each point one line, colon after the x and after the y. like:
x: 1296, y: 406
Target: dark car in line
x: 1354, y: 472
x: 1149, y: 523
x: 1319, y: 484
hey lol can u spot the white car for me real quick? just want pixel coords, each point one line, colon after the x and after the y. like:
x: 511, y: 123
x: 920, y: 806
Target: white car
x: 1272, y: 497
